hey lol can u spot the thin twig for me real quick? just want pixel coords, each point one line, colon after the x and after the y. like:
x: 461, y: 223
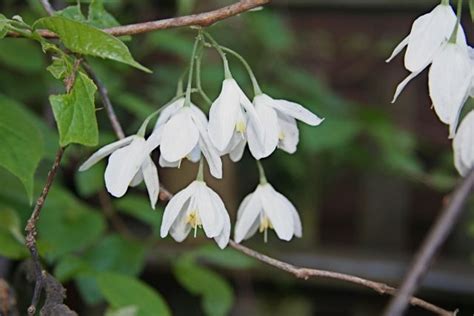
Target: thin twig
x: 305, y: 273
x: 104, y: 96
x: 202, y: 19
x: 435, y: 238
x: 47, y: 6
x: 31, y: 231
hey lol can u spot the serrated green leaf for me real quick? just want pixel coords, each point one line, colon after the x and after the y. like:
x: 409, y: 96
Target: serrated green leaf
x: 121, y: 291
x: 88, y: 40
x: 61, y: 67
x: 217, y: 295
x: 21, y: 144
x: 75, y: 113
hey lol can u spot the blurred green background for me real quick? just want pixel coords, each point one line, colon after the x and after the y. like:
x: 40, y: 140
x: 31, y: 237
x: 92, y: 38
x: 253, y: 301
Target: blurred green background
x: 368, y: 182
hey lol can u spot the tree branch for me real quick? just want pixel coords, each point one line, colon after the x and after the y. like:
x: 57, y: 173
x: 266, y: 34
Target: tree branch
x: 435, y: 238
x: 201, y: 19
x: 305, y: 273
x: 31, y: 232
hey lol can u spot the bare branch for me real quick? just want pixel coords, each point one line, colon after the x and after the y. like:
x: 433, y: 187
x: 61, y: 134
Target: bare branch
x: 201, y: 19
x: 435, y: 238
x: 47, y: 6
x: 31, y: 231
x: 305, y: 273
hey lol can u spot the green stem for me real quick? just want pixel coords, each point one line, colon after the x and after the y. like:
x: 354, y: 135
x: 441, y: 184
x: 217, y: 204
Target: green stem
x: 200, y: 174
x: 454, y: 35
x: 445, y: 2
x: 187, y: 101
x: 227, y: 73
x: 256, y: 86
x: 261, y: 172
x: 198, y: 78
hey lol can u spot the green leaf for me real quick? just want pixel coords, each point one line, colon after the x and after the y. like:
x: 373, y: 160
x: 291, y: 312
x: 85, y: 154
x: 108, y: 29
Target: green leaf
x: 217, y: 295
x: 67, y: 225
x: 75, y: 113
x: 61, y: 67
x: 227, y: 258
x: 21, y: 143
x: 122, y: 291
x: 3, y: 26
x: 69, y: 267
x: 139, y: 207
x: 101, y: 18
x: 471, y: 9
x: 12, y: 243
x: 91, y: 181
x: 88, y: 40
x: 123, y: 311
x: 22, y: 55
x: 72, y: 12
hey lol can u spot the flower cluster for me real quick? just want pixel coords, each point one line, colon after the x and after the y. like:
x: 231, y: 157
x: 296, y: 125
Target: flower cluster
x: 182, y: 131
x: 437, y: 40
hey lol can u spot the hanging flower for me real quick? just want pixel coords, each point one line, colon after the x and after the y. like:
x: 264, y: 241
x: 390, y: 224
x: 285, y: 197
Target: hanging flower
x: 196, y: 206
x: 471, y: 57
x: 463, y: 145
x: 267, y: 209
x: 428, y: 33
x: 449, y: 81
x: 278, y: 118
x: 229, y: 116
x: 129, y: 164
x: 181, y: 132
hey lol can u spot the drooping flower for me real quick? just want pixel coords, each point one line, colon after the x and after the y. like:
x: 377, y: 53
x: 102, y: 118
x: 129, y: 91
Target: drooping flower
x: 265, y: 209
x: 449, y: 81
x: 463, y: 145
x: 278, y: 118
x: 471, y: 57
x: 196, y: 206
x: 229, y: 116
x: 181, y: 132
x: 428, y: 34
x: 129, y: 164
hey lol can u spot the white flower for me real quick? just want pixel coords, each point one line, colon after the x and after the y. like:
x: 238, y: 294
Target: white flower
x: 229, y: 116
x: 278, y: 118
x: 194, y: 207
x: 471, y: 57
x: 181, y: 132
x: 463, y: 145
x: 266, y: 208
x: 428, y: 33
x: 449, y: 81
x: 129, y: 164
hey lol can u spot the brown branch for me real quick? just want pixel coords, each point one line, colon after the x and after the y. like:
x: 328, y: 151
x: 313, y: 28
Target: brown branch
x: 31, y: 231
x: 433, y: 241
x: 201, y: 19
x: 305, y: 273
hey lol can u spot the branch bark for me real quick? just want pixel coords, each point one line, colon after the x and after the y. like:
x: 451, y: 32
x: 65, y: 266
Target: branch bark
x: 31, y: 232
x: 201, y: 19
x: 433, y: 241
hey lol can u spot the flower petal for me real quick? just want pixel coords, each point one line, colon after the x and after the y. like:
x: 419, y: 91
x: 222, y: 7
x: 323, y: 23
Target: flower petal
x: 212, y: 220
x: 289, y: 133
x: 150, y: 175
x: 168, y: 164
x: 137, y: 179
x: 180, y: 228
x: 238, y: 149
x: 247, y: 215
x: 123, y: 164
x: 223, y: 114
x: 449, y: 81
x: 180, y: 135
x: 398, y: 49
x: 223, y: 238
x: 269, y: 120
x: 298, y: 230
x: 277, y: 211
x: 402, y: 84
x: 427, y: 34
x: 175, y: 206
x: 297, y: 111
x: 463, y: 145
x: 105, y: 151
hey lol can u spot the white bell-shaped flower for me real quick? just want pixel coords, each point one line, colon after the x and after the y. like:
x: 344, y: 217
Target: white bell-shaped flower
x: 278, y: 118
x: 463, y: 145
x: 196, y: 206
x: 267, y: 209
x: 427, y: 34
x: 449, y: 81
x: 181, y: 132
x: 129, y: 164
x: 229, y: 116
x: 471, y: 57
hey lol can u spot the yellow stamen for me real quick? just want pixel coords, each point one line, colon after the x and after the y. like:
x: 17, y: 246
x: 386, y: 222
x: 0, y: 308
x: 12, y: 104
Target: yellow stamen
x: 240, y: 127
x: 265, y: 224
x: 193, y: 219
x: 281, y: 136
